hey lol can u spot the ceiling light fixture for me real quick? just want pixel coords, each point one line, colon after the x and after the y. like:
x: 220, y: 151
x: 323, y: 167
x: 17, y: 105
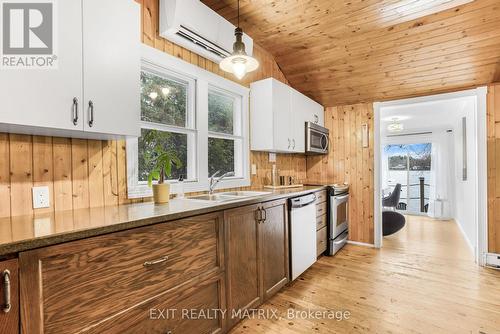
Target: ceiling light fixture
x: 239, y: 63
x: 395, y: 126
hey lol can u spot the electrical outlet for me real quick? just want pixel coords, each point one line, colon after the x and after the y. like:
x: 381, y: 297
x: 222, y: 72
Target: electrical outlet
x: 254, y: 169
x: 272, y: 157
x: 41, y: 197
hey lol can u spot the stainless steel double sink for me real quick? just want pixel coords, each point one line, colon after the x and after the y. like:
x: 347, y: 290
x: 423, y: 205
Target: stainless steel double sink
x: 228, y: 196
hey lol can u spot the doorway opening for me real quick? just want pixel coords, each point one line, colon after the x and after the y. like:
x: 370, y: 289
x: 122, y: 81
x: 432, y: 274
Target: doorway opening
x: 430, y: 160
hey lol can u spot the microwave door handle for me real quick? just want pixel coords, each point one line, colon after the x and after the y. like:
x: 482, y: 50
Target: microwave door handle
x: 327, y: 142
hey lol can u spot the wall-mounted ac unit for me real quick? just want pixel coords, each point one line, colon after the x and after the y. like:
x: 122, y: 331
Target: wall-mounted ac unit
x: 193, y: 25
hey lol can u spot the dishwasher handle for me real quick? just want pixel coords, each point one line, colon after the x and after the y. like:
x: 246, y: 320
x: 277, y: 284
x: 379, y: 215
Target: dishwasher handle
x: 299, y: 202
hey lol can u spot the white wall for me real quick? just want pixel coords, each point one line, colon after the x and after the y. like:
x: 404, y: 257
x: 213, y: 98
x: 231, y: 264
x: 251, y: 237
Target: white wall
x: 465, y: 191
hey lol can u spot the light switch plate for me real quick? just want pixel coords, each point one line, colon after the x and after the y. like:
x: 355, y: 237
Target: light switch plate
x: 41, y: 197
x: 254, y: 169
x: 272, y: 157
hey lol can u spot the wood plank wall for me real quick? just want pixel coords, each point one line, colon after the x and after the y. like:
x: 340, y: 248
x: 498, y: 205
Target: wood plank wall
x: 493, y: 124
x: 90, y: 173
x: 348, y: 161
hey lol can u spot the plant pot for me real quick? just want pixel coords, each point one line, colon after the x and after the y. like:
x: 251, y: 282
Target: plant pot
x: 161, y: 193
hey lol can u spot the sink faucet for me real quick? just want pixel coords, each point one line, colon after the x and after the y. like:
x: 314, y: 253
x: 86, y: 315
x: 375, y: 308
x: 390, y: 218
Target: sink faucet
x: 214, y: 182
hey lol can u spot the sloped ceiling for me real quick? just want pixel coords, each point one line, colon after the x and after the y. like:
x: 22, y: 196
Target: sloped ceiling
x: 350, y: 51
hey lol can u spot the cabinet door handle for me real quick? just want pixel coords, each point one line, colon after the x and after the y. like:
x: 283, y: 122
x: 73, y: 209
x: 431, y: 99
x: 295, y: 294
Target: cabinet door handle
x: 91, y: 112
x: 265, y: 215
x: 294, y: 144
x: 6, y: 290
x: 289, y: 143
x: 75, y: 111
x: 155, y: 262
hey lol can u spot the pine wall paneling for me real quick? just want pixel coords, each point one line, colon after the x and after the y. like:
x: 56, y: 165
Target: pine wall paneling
x: 91, y: 173
x: 493, y: 128
x: 347, y: 161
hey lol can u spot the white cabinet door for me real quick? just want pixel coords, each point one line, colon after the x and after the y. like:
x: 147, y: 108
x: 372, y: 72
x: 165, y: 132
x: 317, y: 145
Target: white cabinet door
x: 282, y: 117
x: 111, y: 53
x: 300, y: 115
x: 318, y: 113
x: 44, y: 97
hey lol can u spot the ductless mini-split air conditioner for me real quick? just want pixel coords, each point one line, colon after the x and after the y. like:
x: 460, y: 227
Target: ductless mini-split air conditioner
x: 193, y: 25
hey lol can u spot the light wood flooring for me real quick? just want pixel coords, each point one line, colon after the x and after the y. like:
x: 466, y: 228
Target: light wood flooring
x: 424, y: 280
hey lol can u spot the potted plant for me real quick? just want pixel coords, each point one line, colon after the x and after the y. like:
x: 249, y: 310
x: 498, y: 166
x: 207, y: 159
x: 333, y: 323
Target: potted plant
x: 162, y: 161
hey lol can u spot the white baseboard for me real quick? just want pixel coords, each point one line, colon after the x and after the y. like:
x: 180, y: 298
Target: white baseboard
x: 360, y: 244
x: 469, y: 243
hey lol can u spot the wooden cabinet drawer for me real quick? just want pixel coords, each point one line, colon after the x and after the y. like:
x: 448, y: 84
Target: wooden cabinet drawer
x: 164, y: 313
x: 321, y: 240
x: 321, y: 222
x: 85, y: 282
x: 9, y: 321
x: 321, y: 196
x: 321, y: 209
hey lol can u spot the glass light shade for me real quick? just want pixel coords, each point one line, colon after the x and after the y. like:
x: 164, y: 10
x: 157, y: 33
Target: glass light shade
x: 239, y: 65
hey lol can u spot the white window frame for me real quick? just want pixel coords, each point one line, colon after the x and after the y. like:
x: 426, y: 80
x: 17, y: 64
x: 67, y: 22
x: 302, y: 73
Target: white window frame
x: 201, y: 81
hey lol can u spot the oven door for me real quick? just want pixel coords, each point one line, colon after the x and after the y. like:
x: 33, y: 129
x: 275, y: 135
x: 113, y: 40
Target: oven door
x: 340, y: 215
x: 316, y: 141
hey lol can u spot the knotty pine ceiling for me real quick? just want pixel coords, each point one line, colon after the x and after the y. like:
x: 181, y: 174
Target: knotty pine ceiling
x: 349, y: 51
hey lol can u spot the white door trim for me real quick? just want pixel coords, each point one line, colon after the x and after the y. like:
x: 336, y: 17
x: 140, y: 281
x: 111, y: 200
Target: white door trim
x: 482, y: 181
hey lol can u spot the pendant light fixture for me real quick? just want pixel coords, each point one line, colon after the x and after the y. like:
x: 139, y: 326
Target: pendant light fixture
x: 239, y: 63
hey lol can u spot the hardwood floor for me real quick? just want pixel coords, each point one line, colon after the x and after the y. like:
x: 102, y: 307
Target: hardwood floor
x: 424, y: 280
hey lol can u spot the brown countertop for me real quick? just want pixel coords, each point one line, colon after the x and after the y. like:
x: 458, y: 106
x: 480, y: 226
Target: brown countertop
x: 23, y: 233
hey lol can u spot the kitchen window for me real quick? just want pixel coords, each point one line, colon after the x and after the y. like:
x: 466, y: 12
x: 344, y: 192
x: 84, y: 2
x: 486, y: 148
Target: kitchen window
x: 224, y: 136
x: 197, y: 114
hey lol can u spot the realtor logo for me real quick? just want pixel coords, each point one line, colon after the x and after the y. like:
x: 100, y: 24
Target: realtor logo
x: 28, y: 34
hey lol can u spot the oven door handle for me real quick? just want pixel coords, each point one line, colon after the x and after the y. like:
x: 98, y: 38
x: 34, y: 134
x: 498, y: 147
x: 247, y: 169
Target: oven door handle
x: 341, y: 241
x: 340, y: 199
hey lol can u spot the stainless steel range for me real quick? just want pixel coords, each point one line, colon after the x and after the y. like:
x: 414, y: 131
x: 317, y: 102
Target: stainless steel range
x: 338, y: 225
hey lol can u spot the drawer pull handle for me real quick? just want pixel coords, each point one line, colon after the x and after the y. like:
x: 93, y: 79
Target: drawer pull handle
x: 6, y: 290
x: 155, y: 262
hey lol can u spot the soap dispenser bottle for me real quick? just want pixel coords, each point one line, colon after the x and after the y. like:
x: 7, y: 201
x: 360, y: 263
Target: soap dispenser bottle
x: 180, y: 193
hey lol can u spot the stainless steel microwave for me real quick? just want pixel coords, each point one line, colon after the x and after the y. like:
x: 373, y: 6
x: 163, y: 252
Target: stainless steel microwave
x: 317, y: 139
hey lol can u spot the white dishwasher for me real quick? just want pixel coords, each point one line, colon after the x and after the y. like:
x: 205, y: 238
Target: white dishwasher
x: 302, y: 233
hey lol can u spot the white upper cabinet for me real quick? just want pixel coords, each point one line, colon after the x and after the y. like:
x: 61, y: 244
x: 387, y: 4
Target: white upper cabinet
x: 278, y: 115
x: 111, y: 66
x: 48, y: 97
x: 98, y: 60
x: 282, y: 122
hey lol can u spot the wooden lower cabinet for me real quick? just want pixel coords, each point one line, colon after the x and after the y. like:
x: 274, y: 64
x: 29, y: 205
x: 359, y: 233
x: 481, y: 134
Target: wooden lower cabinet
x: 243, y: 287
x: 256, y: 255
x: 9, y: 289
x: 186, y: 310
x: 321, y: 241
x: 95, y: 284
x: 273, y: 244
x: 143, y: 280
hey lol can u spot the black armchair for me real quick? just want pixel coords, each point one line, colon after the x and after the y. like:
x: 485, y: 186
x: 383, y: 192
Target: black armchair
x: 392, y: 200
